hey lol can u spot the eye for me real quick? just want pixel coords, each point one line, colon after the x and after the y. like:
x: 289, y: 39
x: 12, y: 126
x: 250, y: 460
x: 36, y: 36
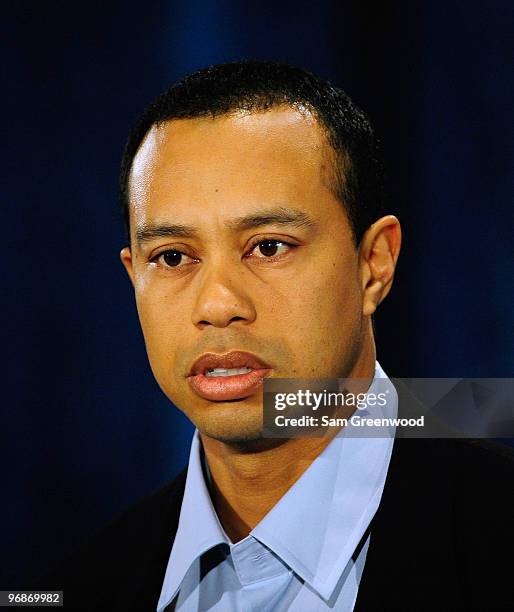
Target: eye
x: 270, y: 248
x: 173, y: 258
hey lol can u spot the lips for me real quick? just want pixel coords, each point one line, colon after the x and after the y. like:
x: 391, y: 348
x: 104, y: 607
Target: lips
x: 210, y: 380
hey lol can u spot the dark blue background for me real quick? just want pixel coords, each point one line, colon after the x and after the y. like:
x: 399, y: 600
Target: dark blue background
x: 85, y: 430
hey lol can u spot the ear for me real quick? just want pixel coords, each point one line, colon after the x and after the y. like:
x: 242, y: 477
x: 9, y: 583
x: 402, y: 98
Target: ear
x: 378, y: 254
x: 126, y: 260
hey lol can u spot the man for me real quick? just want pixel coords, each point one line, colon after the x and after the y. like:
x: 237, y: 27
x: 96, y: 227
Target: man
x: 259, y: 249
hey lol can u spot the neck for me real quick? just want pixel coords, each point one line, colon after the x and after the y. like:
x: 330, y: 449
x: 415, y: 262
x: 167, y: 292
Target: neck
x: 248, y: 480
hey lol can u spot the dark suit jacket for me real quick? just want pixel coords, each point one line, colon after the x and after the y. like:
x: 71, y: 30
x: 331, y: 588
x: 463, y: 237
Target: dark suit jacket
x: 442, y: 539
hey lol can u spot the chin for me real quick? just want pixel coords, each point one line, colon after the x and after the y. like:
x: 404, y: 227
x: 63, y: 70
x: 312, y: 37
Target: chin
x: 245, y: 441
x: 229, y: 431
x: 232, y: 423
x: 236, y: 438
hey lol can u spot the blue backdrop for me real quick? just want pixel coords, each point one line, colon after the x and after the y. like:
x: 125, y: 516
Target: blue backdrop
x: 85, y: 430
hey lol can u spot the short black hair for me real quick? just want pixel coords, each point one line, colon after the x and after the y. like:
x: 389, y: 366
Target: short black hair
x: 257, y: 86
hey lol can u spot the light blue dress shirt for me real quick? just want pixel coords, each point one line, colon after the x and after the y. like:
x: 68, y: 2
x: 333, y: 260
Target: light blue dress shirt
x: 304, y: 555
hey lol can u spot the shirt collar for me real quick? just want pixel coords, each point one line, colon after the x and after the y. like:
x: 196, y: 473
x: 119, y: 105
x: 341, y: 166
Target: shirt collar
x: 199, y: 528
x: 317, y: 525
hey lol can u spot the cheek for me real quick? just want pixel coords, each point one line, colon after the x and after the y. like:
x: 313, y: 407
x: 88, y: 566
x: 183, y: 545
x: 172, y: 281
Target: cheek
x: 328, y: 306
x: 328, y: 289
x: 324, y: 319
x: 160, y: 318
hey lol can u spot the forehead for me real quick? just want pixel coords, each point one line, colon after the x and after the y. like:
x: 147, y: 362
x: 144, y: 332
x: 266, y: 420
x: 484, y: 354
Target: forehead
x: 230, y: 163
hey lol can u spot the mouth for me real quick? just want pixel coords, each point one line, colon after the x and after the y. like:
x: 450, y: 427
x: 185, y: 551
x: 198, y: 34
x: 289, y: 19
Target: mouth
x: 232, y: 376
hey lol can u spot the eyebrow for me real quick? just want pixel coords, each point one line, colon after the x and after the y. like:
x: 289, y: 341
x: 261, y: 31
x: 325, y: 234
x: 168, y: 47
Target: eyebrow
x: 147, y: 232
x: 272, y: 216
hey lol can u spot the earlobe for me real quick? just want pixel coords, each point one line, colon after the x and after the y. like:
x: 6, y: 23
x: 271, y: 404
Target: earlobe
x: 373, y: 295
x: 126, y: 260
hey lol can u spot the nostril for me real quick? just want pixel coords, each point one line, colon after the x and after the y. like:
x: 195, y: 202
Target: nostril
x: 204, y: 323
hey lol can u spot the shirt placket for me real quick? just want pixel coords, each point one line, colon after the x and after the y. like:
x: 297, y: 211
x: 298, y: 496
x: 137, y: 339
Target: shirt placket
x: 263, y: 576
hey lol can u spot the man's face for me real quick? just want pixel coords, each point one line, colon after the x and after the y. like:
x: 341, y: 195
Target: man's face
x: 238, y: 244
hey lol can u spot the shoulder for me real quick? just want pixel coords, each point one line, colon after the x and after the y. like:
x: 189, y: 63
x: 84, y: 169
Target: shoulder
x: 474, y: 480
x: 487, y: 452
x: 459, y: 492
x: 123, y: 565
x: 463, y: 468
x: 478, y: 469
x: 483, y: 486
x: 446, y: 521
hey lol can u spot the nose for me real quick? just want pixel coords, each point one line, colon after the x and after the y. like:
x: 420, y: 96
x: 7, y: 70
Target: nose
x: 221, y: 299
